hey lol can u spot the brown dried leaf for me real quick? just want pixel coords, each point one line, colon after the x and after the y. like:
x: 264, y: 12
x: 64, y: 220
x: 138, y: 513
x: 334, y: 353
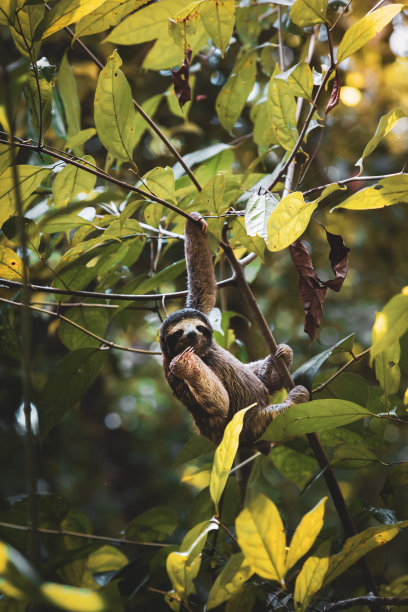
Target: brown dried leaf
x: 335, y: 94
x: 339, y: 260
x: 180, y: 78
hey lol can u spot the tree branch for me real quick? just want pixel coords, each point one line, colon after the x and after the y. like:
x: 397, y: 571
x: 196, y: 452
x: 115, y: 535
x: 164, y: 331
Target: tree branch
x: 365, y: 600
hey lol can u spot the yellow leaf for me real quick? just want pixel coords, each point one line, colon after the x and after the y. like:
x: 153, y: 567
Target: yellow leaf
x: 219, y: 19
x: 385, y: 125
x: 387, y: 370
x: 71, y: 598
x: 23, y: 29
x: 225, y: 454
x: 308, y: 12
x: 114, y: 111
x: 305, y: 534
x: 310, y: 578
x: 261, y: 536
x: 183, y: 26
x: 229, y: 581
x: 281, y: 107
x: 390, y: 324
x: 63, y: 13
x: 11, y: 266
x: 109, y: 14
x: 288, y: 221
x: 365, y: 29
x: 28, y: 178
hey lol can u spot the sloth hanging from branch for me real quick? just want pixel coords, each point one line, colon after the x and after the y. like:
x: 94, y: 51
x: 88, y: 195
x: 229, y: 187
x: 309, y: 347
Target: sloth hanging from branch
x: 206, y: 378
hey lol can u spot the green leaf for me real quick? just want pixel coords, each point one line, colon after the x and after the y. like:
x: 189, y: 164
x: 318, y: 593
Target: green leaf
x: 295, y: 466
x: 11, y: 266
x: 261, y: 536
x: 11, y: 229
x: 72, y: 376
x: 308, y: 12
x: 352, y: 457
x: 358, y: 546
x: 225, y: 455
x: 210, y: 198
x: 6, y: 156
x: 305, y: 375
x: 147, y: 24
x: 114, y: 111
x: 234, y: 93
x: 71, y: 598
x: 264, y: 132
x: 254, y: 245
x: 108, y: 14
x: 364, y: 30
x: 34, y: 97
x: 288, y: 220
x: 92, y: 319
x: 9, y: 342
x: 196, y: 447
x: 25, y: 22
x: 281, y: 106
x: 387, y: 370
x: 63, y: 14
x: 71, y: 181
x: 183, y: 567
x: 229, y: 581
x: 79, y: 139
x: 149, y: 107
x: 390, y: 324
x: 164, y: 276
x: 305, y: 534
x: 67, y: 88
x: 182, y: 26
x: 155, y: 525
x: 311, y: 577
x: 385, y: 125
x: 28, y: 178
x: 219, y: 19
x: 160, y: 181
x: 313, y: 416
x: 299, y: 79
x: 105, y: 559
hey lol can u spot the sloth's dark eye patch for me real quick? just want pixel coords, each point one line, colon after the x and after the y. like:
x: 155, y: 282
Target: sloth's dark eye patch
x: 204, y: 330
x: 177, y: 334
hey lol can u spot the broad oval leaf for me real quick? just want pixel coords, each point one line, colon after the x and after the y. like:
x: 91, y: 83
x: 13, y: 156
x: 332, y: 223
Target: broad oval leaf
x: 28, y: 178
x: 154, y: 525
x: 311, y: 577
x: 71, y: 181
x: 234, y: 93
x: 39, y: 99
x: 281, y: 106
x: 67, y: 384
x: 308, y: 12
x: 225, y: 455
x: 11, y: 266
x: 261, y: 536
x: 299, y: 79
x: 80, y: 138
x: 390, y: 324
x: 210, y: 197
x: 257, y: 212
x: 387, y: 370
x: 313, y: 416
x: 72, y: 598
x: 364, y: 30
x: 389, y: 191
x: 114, y: 110
x: 6, y: 156
x: 108, y: 14
x: 63, y: 14
x: 230, y: 580
x: 11, y: 229
x: 160, y: 181
x: 385, y: 125
x: 306, y: 534
x: 288, y: 221
x: 219, y: 19
x: 94, y: 320
x: 23, y: 29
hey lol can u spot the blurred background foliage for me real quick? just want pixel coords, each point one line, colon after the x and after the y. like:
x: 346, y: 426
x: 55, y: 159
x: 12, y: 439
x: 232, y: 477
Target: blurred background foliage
x: 112, y: 456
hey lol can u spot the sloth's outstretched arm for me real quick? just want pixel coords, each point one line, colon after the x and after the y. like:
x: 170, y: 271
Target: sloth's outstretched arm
x: 203, y: 383
x: 257, y: 419
x: 201, y: 283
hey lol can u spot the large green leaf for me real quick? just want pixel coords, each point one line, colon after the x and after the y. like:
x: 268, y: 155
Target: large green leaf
x: 219, y: 18
x: 67, y: 384
x: 288, y: 220
x: 94, y: 320
x: 225, y: 455
x: 210, y: 199
x: 26, y: 21
x: 71, y: 181
x: 299, y: 79
x: 114, y: 111
x: 68, y: 91
x: 108, y: 14
x: 308, y: 12
x: 313, y: 416
x: 364, y: 30
x: 39, y: 102
x: 281, y: 106
x: 234, y: 93
x: 387, y: 370
x: 155, y: 525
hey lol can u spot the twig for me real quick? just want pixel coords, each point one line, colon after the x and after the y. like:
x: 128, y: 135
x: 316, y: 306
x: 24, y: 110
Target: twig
x: 171, y: 595
x: 77, y: 534
x: 280, y: 38
x: 331, y: 481
x: 248, y: 460
x: 353, y: 179
x: 336, y: 374
x: 365, y: 600
x: 107, y: 343
x: 139, y: 109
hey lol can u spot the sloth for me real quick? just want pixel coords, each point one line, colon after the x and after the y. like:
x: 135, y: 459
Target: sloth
x: 207, y: 379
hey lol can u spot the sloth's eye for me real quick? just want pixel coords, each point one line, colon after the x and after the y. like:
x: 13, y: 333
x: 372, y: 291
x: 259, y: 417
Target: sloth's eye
x: 202, y: 329
x: 176, y: 334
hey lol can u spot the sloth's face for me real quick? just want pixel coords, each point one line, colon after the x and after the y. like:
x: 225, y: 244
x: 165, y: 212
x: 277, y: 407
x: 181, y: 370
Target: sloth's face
x: 188, y: 332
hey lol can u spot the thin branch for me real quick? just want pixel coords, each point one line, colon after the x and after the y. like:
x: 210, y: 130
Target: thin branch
x: 344, y: 367
x: 353, y: 179
x: 248, y: 460
x: 280, y: 365
x: 280, y: 38
x: 108, y: 296
x: 78, y: 534
x: 107, y: 343
x: 366, y: 600
x: 170, y: 595
x: 139, y: 109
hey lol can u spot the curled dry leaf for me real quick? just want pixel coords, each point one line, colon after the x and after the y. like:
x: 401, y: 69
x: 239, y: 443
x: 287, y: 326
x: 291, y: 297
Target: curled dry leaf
x: 180, y: 79
x: 335, y: 93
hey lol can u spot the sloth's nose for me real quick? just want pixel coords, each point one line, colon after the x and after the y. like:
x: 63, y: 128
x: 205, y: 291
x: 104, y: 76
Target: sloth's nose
x: 192, y: 335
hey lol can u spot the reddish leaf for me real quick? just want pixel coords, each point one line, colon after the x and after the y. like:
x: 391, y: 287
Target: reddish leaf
x: 335, y: 93
x: 339, y: 260
x: 180, y: 78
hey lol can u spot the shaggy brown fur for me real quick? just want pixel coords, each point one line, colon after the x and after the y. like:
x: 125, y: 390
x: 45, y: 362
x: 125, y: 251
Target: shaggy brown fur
x: 206, y: 378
